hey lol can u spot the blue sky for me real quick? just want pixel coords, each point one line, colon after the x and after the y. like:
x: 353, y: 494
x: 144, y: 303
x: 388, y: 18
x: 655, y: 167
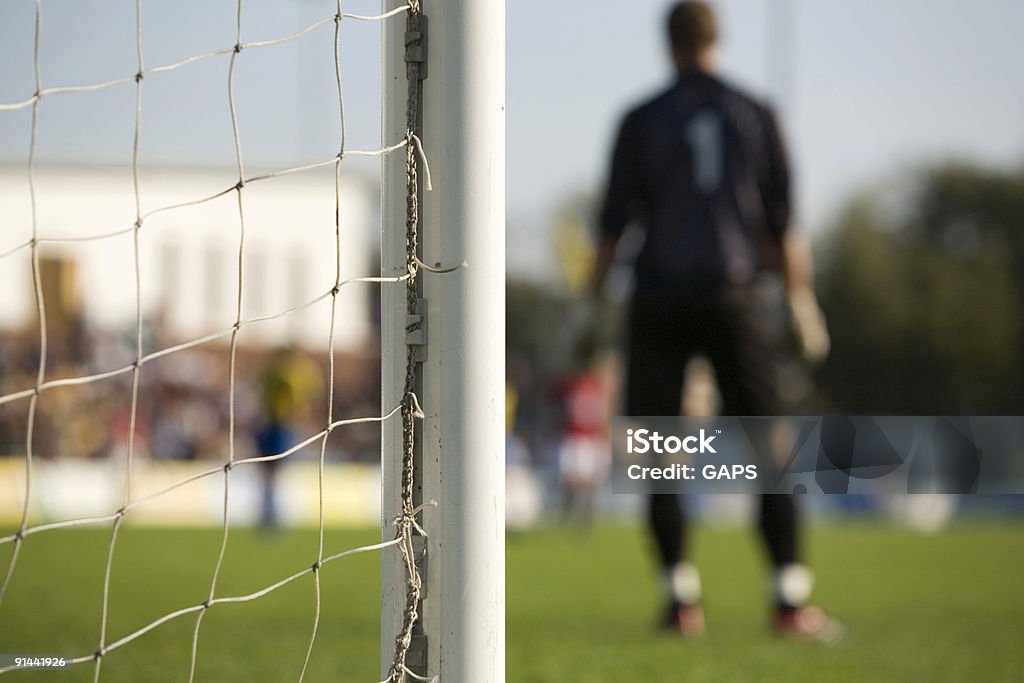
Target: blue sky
x: 869, y: 90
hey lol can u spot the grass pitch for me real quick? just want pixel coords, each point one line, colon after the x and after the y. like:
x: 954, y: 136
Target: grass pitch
x: 945, y: 607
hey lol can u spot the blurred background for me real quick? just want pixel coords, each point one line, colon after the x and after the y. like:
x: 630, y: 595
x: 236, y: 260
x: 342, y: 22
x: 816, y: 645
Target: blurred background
x: 905, y: 127
x: 906, y: 135
x: 905, y: 122
x: 288, y: 116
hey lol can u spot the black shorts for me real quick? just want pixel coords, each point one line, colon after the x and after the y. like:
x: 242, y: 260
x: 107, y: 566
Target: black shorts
x: 667, y: 328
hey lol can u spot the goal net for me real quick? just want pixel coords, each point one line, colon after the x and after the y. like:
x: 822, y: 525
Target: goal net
x: 176, y: 331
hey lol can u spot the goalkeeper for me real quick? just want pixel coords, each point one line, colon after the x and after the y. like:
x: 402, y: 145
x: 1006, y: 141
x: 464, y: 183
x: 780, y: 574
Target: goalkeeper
x: 702, y: 169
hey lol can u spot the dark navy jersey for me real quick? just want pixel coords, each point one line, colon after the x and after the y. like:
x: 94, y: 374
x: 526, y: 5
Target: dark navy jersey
x: 702, y: 168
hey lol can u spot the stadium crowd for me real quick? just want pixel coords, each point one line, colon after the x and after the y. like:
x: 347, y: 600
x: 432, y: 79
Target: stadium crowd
x: 183, y: 404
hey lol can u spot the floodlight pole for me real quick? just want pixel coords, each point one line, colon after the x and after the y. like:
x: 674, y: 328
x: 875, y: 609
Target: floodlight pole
x: 463, y: 371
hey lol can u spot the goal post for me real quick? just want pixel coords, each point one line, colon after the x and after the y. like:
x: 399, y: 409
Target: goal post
x: 457, y: 313
x: 442, y: 335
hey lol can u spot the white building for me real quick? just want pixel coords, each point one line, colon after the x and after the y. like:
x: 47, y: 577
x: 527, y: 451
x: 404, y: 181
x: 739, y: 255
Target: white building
x: 188, y: 256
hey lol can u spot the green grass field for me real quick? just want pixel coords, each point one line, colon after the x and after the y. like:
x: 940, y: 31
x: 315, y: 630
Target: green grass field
x: 946, y: 607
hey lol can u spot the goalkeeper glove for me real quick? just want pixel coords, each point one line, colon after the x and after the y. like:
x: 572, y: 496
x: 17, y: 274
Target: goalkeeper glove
x: 809, y: 326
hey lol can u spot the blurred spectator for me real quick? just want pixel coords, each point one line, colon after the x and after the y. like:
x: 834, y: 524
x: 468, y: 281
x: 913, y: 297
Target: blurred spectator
x: 289, y: 386
x: 182, y: 411
x: 584, y: 454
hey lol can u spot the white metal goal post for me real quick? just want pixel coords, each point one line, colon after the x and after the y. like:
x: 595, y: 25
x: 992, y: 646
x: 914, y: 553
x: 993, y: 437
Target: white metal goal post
x: 443, y: 338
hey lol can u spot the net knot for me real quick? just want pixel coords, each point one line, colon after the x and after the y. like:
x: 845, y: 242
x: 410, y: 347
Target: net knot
x: 238, y: 48
x: 121, y: 512
x: 99, y: 653
x: 412, y: 404
x: 316, y: 566
x: 240, y: 184
x: 139, y: 76
x: 138, y: 223
x: 338, y: 17
x: 19, y: 535
x: 228, y: 466
x: 207, y: 604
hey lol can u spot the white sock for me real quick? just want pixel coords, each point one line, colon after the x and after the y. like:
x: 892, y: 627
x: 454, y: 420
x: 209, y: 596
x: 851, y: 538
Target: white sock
x: 682, y: 583
x: 791, y: 585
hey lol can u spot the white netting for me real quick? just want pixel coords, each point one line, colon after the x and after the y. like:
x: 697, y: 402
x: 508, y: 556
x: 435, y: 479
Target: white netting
x: 140, y: 75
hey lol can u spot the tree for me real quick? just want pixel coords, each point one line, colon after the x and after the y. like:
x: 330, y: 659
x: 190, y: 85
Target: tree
x: 925, y: 303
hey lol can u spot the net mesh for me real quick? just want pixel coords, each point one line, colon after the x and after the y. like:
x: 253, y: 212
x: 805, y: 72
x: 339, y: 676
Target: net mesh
x: 408, y: 410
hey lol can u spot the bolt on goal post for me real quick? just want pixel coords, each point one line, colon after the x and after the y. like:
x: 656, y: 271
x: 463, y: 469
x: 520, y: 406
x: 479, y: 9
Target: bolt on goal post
x: 443, y: 342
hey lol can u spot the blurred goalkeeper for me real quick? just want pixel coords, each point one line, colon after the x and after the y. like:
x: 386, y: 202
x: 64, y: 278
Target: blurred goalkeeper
x: 702, y: 169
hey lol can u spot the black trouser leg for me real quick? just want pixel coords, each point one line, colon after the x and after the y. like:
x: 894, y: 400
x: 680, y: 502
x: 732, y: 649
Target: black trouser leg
x: 668, y: 524
x: 658, y: 352
x: 779, y: 527
x: 745, y: 369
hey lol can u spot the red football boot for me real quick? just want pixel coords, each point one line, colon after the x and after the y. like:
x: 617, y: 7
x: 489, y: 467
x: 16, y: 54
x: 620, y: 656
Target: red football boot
x: 809, y: 623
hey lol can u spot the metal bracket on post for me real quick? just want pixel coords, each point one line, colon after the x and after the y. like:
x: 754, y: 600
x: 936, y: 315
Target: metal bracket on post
x: 419, y: 556
x: 416, y: 47
x: 416, y: 330
x: 416, y: 658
